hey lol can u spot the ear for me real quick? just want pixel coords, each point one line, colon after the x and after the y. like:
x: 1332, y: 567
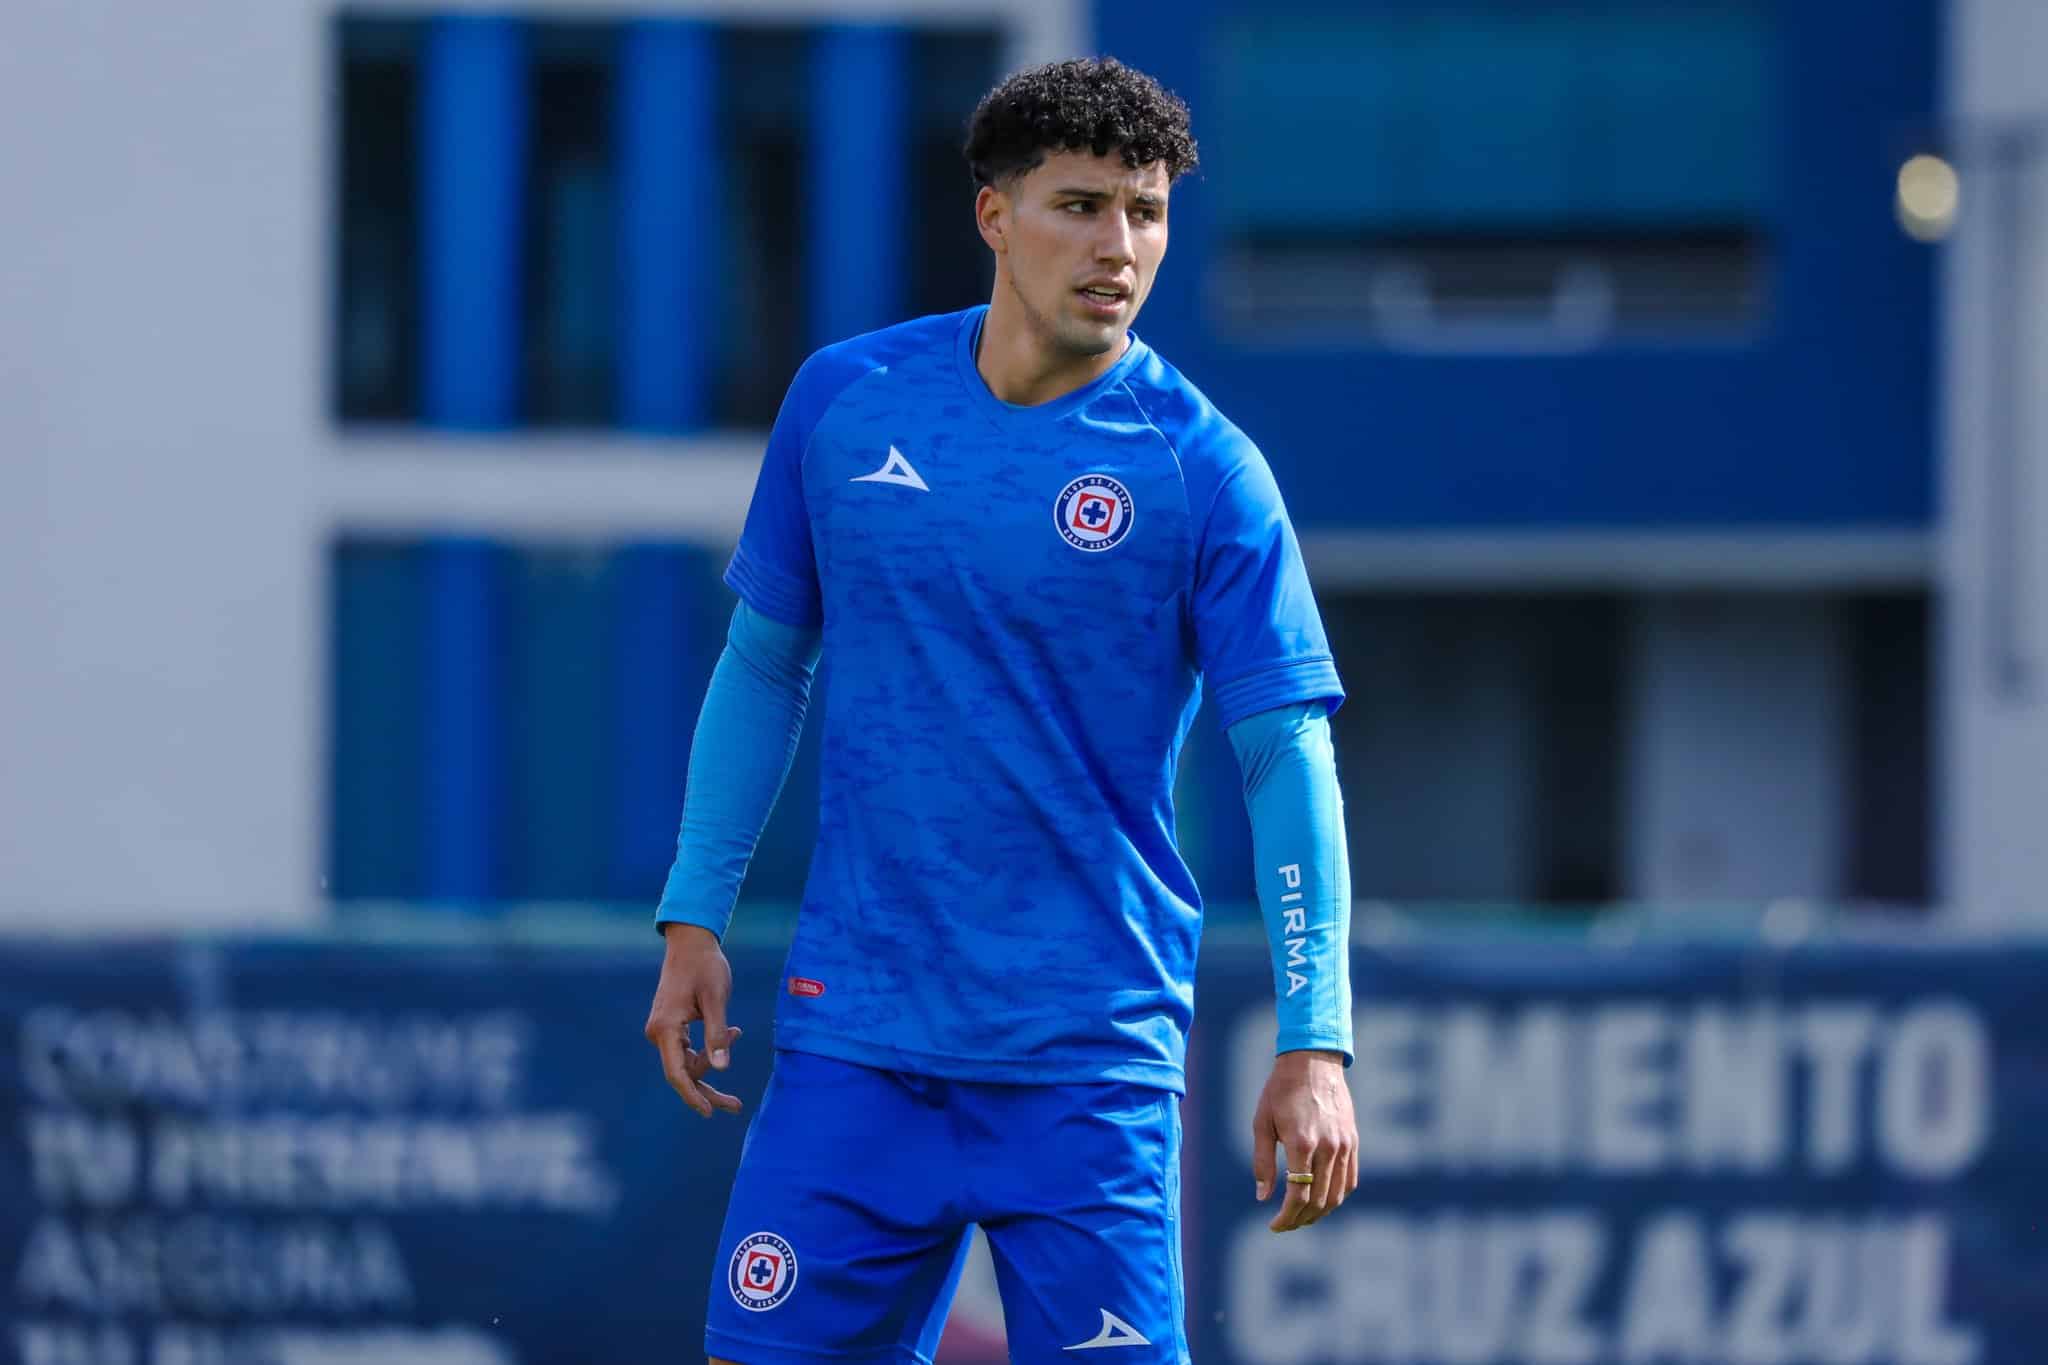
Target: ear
x: 992, y: 218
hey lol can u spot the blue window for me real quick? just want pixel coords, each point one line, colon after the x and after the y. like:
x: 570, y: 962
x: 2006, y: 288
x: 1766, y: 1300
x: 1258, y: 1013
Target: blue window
x: 1484, y: 159
x: 633, y: 223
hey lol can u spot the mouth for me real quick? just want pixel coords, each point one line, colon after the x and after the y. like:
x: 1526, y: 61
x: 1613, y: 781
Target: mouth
x: 1104, y: 300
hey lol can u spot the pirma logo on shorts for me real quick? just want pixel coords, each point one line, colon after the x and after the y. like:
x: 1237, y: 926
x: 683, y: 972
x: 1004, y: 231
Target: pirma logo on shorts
x: 763, y: 1272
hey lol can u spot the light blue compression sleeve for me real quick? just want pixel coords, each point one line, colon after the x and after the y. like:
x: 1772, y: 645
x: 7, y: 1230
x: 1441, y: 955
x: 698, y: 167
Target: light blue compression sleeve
x: 746, y: 735
x: 1303, y: 870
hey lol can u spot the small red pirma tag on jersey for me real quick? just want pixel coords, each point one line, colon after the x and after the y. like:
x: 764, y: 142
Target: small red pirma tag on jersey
x: 803, y: 985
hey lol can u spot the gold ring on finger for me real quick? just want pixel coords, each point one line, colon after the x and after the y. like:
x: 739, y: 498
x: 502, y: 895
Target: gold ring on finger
x: 1300, y: 1178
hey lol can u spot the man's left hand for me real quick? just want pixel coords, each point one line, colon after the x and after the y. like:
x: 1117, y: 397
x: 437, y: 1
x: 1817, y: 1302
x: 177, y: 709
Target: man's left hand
x: 1306, y: 1108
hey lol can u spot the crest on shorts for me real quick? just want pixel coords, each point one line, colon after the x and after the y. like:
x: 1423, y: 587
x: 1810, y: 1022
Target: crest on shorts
x: 763, y: 1272
x: 1093, y: 512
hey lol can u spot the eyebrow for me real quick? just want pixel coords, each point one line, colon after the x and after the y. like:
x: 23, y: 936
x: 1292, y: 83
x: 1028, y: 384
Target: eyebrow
x: 1148, y: 200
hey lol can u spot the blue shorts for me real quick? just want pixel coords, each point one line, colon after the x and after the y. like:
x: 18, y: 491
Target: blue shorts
x: 857, y: 1189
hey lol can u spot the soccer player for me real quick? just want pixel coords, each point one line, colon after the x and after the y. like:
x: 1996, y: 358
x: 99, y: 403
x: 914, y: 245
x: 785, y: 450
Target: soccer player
x: 1025, y: 544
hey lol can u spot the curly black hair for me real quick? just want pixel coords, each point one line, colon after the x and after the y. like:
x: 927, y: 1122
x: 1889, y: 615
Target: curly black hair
x: 1097, y: 103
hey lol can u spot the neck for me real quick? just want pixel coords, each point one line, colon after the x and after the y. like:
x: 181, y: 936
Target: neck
x: 1021, y: 362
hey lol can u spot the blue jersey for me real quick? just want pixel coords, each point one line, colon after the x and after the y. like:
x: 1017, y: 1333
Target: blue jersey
x: 1020, y: 607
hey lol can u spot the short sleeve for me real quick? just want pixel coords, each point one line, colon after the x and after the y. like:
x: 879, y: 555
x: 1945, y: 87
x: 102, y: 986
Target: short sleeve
x: 1259, y: 638
x: 775, y: 567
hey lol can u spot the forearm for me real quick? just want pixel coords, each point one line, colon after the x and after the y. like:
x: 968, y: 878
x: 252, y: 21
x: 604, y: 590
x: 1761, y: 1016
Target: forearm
x: 1303, y: 871
x: 747, y: 733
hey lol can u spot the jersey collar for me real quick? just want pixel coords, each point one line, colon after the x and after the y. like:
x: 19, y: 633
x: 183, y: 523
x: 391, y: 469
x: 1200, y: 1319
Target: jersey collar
x: 969, y: 339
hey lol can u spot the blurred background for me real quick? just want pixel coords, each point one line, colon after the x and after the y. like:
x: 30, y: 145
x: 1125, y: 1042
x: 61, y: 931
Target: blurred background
x: 1660, y: 388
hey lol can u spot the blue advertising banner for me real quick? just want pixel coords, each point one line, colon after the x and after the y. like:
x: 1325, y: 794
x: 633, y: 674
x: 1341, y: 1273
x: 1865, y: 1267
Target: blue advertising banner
x: 290, y: 1154
x: 316, y: 1155
x: 1710, y: 1154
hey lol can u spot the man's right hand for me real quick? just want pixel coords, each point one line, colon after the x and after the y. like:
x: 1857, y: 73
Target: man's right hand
x: 695, y: 982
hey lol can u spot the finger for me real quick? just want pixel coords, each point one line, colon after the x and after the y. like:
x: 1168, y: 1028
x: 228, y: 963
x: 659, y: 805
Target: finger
x: 1293, y: 1194
x: 1323, y: 1194
x: 1264, y: 1140
x: 1292, y: 1207
x: 729, y: 1103
x: 696, y: 1060
x: 715, y: 1040
x: 676, y: 1056
x: 1300, y: 1157
x: 700, y: 1062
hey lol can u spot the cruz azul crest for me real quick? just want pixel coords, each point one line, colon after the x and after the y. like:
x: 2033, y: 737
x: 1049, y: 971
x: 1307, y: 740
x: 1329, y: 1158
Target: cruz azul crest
x: 1093, y: 512
x: 763, y: 1272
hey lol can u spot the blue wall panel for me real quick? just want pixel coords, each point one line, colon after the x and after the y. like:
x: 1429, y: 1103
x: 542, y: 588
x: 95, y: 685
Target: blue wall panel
x: 668, y: 181
x: 1820, y: 417
x: 665, y: 637
x: 473, y: 125
x: 472, y: 164
x: 555, y: 729
x: 377, y: 648
x: 462, y: 687
x: 858, y: 181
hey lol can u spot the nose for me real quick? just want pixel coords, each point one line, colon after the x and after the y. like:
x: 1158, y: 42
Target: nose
x: 1114, y: 246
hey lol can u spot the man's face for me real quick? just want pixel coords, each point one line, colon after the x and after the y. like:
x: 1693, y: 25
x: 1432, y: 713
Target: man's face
x: 1082, y: 236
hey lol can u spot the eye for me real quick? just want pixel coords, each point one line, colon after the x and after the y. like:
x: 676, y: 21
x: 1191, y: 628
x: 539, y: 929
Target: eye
x: 1083, y: 205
